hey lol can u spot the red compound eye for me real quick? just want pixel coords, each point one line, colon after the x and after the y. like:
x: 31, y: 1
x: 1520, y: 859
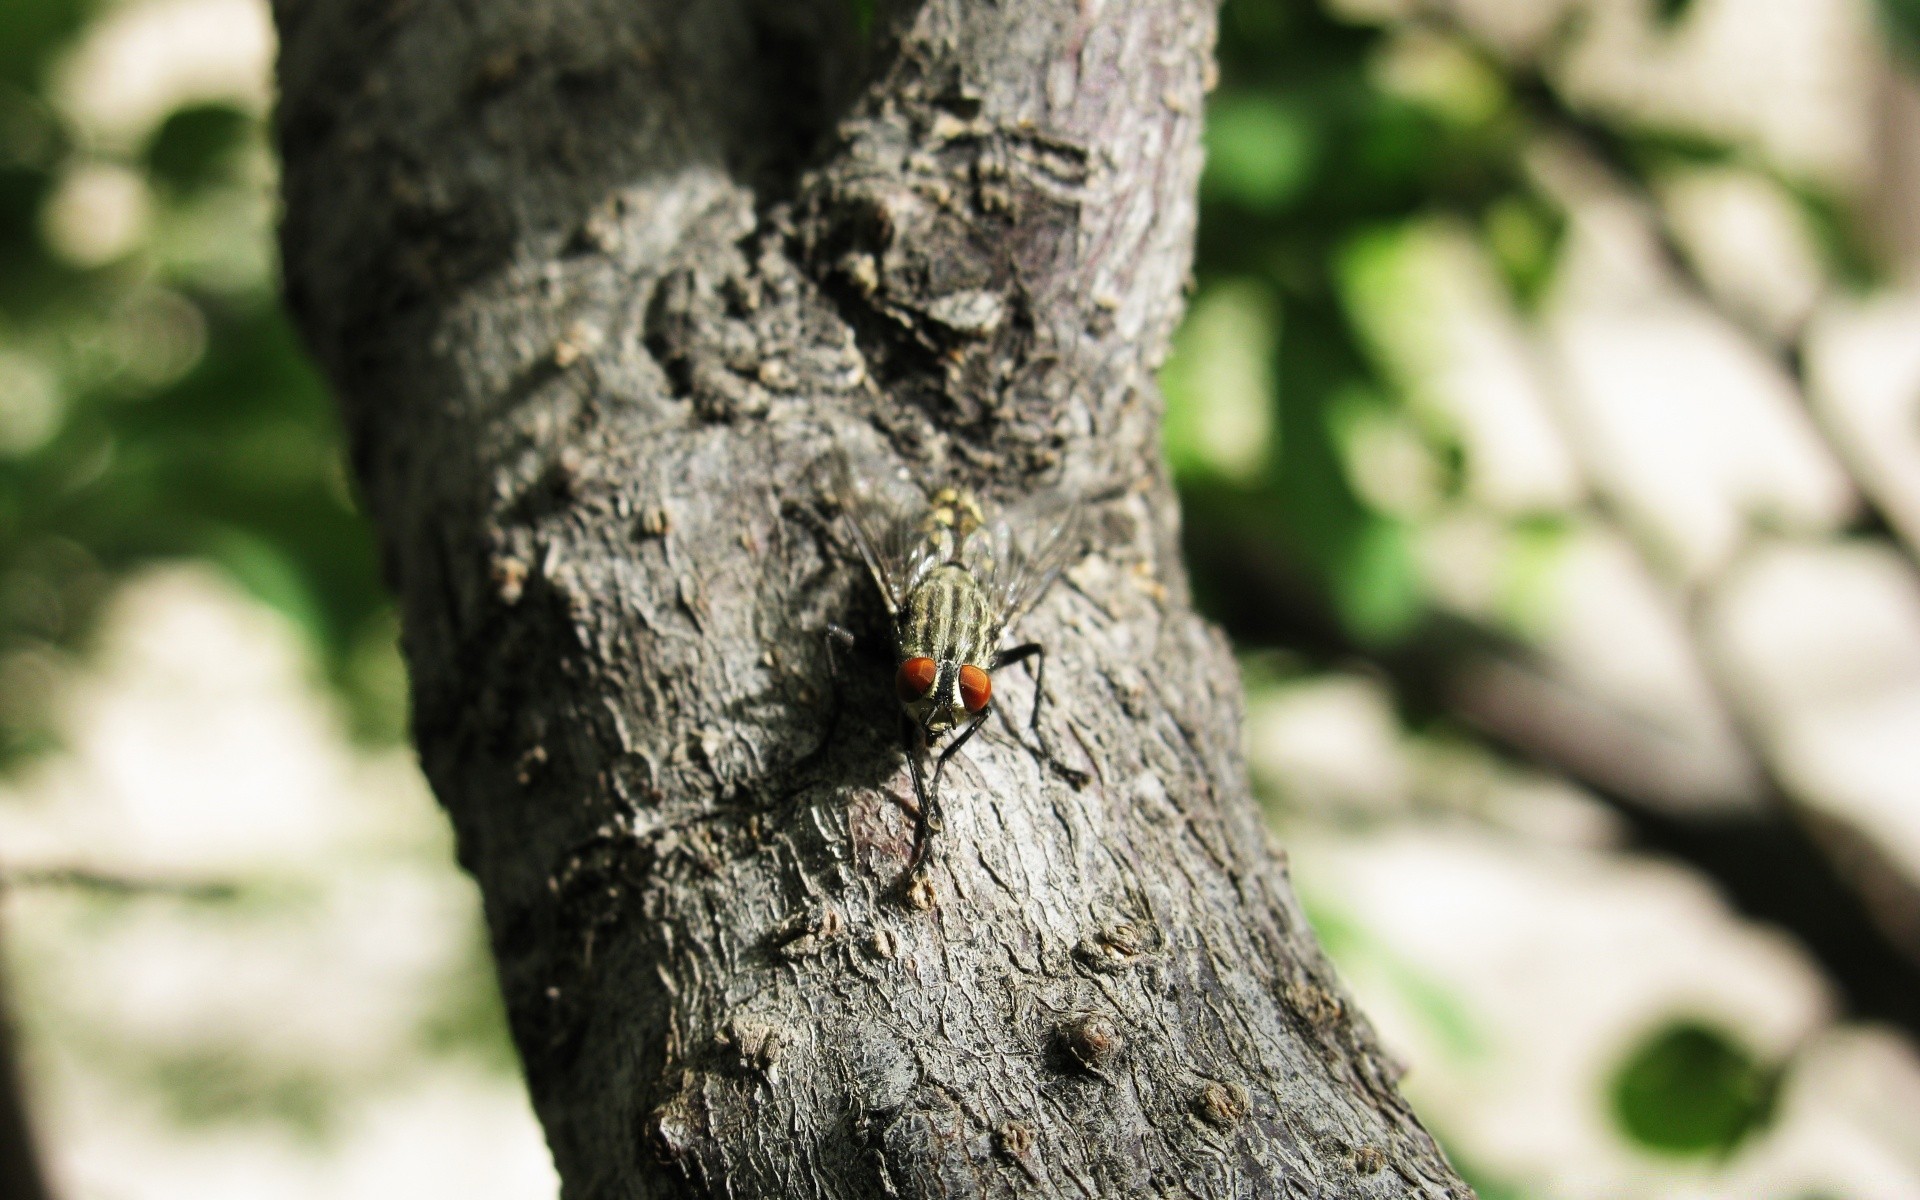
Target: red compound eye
x: 916, y: 678
x: 975, y: 688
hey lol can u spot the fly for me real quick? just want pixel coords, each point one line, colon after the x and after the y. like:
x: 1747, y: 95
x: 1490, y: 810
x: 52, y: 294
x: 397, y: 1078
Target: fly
x: 954, y: 583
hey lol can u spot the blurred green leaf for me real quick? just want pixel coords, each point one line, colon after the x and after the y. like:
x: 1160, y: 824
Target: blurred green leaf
x: 1400, y: 285
x: 374, y: 681
x: 1385, y: 276
x: 198, y: 146
x: 1351, y: 945
x: 1536, y: 553
x: 1670, y: 13
x: 468, y: 1019
x: 1461, y: 87
x: 1485, y: 1186
x: 1692, y: 1089
x: 32, y: 133
x: 1398, y: 139
x: 1219, y: 382
x: 1652, y: 149
x: 216, y: 1084
x: 1376, y: 583
x: 271, y: 576
x: 29, y: 276
x: 1259, y: 151
x: 1526, y: 235
x: 1842, y: 244
x: 1902, y: 18
x: 32, y: 30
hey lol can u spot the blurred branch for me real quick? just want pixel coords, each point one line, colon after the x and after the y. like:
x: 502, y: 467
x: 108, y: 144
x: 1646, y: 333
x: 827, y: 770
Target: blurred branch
x: 21, y: 1177
x: 1626, y: 762
x: 1766, y: 862
x: 1774, y: 863
x: 115, y: 883
x: 1612, y: 153
x: 1887, y: 895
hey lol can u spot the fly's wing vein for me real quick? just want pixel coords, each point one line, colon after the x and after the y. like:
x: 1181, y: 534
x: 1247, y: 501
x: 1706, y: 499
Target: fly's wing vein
x: 882, y: 511
x: 1019, y: 553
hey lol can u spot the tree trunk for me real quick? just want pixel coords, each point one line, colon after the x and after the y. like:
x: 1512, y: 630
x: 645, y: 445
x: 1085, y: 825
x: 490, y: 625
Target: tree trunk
x: 595, y: 279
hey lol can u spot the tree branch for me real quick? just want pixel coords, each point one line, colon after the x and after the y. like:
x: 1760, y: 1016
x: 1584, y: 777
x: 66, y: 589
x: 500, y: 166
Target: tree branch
x: 594, y: 308
x: 1768, y: 865
x: 21, y: 1174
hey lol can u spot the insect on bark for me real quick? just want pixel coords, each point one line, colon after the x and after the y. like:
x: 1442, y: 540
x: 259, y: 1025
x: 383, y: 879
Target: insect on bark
x: 954, y: 582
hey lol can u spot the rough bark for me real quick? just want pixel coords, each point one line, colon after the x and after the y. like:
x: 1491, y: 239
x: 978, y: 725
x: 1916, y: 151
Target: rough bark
x: 594, y: 279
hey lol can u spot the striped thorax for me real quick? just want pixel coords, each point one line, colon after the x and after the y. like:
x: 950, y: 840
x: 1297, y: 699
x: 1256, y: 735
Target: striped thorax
x: 948, y: 628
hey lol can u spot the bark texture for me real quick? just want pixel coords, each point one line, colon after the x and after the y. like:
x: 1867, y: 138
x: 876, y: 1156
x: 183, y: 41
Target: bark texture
x: 595, y: 280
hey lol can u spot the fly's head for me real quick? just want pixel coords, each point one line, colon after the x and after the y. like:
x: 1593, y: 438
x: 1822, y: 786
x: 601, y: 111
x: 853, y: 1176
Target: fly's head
x: 942, y: 696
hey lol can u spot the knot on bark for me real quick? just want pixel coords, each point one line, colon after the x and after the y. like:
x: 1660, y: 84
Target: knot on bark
x: 1120, y: 944
x: 1314, y: 1004
x: 955, y: 231
x: 739, y: 336
x: 1092, y: 1041
x: 755, y: 1045
x: 1221, y: 1105
x: 807, y: 934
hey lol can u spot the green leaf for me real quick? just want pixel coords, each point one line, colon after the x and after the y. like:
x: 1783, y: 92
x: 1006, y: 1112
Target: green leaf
x: 29, y: 276
x: 1259, y: 151
x: 1841, y: 241
x: 1219, y: 382
x: 1377, y: 583
x: 31, y: 31
x: 467, y: 1017
x: 1902, y: 18
x: 216, y: 1084
x: 1526, y: 235
x: 1532, y: 569
x: 373, y: 682
x: 198, y: 146
x: 1353, y: 946
x: 1485, y: 1186
x: 1670, y: 13
x: 274, y: 578
x: 1692, y: 1089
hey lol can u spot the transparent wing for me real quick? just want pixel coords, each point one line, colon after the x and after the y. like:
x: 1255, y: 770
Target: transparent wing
x: 882, y: 509
x: 1018, y: 554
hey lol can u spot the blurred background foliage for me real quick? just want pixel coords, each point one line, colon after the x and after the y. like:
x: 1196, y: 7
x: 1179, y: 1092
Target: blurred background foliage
x: 1391, y: 188
x: 154, y: 402
x: 1387, y: 265
x: 171, y: 477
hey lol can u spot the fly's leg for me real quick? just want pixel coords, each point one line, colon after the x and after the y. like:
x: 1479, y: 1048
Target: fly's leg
x: 836, y: 635
x: 841, y: 636
x: 1037, y: 654
x: 1020, y: 654
x: 955, y: 744
x: 926, y: 816
x: 927, y: 791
